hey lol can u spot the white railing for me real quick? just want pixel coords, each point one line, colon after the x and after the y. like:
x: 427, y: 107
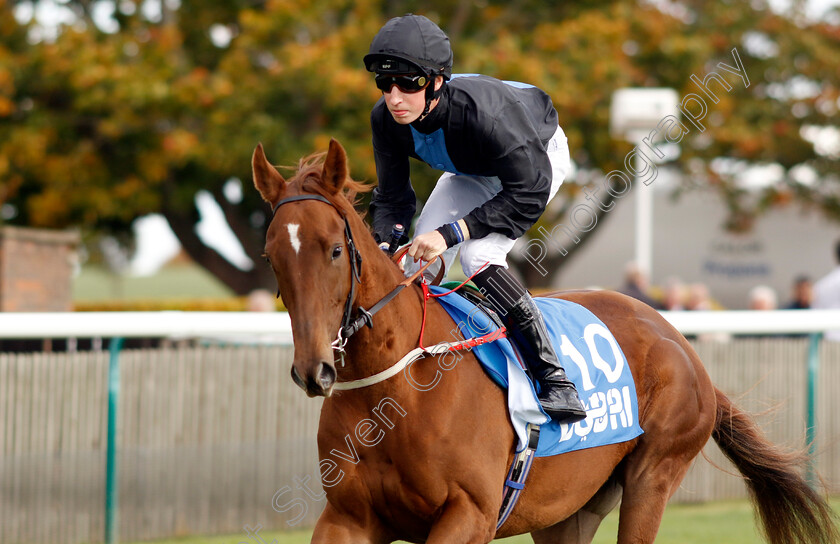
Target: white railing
x: 278, y: 324
x: 755, y: 322
x: 174, y: 324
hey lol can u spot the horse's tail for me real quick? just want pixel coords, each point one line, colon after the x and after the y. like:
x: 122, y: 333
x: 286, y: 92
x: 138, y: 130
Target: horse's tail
x: 791, y: 511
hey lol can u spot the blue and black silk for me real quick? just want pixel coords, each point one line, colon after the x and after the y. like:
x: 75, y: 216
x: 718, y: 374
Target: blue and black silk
x: 482, y: 126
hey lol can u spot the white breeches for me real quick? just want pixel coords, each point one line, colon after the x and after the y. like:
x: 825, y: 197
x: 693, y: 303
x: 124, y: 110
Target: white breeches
x: 455, y: 195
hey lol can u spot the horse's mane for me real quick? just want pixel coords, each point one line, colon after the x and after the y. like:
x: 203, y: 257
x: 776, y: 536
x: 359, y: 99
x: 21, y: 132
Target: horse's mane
x: 308, y: 178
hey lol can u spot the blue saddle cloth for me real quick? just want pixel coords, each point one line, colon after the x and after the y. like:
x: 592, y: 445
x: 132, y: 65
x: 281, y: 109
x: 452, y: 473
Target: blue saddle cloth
x: 591, y: 358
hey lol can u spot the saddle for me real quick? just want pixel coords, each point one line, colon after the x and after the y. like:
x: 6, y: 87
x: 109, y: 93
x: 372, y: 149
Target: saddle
x: 595, y: 363
x: 471, y: 293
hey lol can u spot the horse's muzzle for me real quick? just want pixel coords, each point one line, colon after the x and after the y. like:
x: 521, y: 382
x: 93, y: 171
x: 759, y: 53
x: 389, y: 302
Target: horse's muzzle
x: 319, y: 382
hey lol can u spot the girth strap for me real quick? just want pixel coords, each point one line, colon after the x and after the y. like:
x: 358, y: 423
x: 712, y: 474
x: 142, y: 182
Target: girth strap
x: 518, y: 473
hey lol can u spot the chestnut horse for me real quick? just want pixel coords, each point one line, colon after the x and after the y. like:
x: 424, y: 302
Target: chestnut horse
x: 398, y: 462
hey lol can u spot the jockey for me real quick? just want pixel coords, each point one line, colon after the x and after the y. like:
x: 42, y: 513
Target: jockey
x: 503, y: 156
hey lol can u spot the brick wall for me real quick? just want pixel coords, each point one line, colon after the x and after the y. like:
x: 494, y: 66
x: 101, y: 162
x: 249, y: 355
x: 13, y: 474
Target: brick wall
x: 36, y: 268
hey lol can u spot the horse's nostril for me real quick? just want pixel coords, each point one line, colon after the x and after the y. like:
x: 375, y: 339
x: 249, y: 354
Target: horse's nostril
x: 319, y: 382
x: 326, y: 376
x: 297, y: 379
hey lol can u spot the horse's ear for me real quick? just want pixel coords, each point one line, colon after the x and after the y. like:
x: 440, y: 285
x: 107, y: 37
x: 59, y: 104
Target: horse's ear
x: 267, y: 179
x: 335, y: 167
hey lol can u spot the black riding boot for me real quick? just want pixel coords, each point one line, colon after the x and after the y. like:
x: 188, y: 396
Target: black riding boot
x: 558, y: 395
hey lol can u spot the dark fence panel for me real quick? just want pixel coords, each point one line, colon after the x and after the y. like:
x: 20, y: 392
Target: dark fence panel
x: 213, y: 439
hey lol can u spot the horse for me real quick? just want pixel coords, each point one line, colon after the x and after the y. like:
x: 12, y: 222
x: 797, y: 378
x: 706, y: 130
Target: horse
x: 399, y: 462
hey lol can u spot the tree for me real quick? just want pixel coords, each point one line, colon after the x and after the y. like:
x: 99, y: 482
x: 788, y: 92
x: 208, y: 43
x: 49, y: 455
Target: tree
x: 791, y: 63
x: 109, y: 126
x: 121, y: 116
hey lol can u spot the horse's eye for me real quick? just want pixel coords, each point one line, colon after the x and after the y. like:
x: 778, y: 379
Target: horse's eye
x: 336, y: 252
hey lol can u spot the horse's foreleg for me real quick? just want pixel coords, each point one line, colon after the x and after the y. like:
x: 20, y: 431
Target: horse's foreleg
x: 333, y: 527
x: 462, y: 522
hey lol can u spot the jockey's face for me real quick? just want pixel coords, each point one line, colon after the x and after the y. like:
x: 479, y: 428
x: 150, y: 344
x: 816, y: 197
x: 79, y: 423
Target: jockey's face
x: 407, y: 107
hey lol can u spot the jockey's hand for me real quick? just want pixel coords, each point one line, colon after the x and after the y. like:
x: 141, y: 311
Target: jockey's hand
x: 427, y: 246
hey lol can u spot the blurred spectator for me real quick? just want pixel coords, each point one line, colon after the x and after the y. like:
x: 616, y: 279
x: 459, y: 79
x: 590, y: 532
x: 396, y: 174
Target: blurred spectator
x: 762, y: 297
x: 261, y: 300
x: 827, y: 293
x: 636, y: 285
x: 698, y: 298
x: 674, y: 295
x: 803, y: 294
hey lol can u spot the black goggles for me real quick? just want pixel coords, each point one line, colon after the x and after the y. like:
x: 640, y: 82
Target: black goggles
x: 407, y: 84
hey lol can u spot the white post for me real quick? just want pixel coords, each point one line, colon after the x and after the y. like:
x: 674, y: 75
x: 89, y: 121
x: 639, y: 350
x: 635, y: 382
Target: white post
x: 635, y: 113
x: 644, y: 223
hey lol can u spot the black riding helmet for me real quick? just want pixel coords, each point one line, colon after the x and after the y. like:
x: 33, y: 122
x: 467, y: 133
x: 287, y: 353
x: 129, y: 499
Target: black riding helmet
x: 411, y: 44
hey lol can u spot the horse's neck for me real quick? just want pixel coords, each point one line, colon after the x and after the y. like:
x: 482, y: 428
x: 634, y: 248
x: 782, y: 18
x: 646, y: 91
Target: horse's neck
x: 379, y: 275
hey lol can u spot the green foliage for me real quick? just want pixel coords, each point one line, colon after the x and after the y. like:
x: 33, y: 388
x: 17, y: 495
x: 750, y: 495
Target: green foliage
x: 102, y: 125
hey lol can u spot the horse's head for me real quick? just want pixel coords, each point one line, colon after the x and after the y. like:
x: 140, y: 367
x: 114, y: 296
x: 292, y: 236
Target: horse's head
x: 308, y: 248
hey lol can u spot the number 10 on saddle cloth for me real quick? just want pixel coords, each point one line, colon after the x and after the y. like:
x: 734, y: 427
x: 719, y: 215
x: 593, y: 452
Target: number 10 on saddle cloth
x: 592, y: 359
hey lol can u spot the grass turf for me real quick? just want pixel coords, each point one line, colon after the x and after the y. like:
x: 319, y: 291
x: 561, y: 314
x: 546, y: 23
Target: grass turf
x: 178, y: 280
x: 726, y: 522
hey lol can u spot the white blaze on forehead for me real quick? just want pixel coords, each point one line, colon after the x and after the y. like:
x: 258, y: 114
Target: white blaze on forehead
x: 293, y: 236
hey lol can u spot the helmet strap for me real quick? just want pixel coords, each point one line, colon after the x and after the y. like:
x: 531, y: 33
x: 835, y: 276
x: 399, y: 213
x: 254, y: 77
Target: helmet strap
x: 431, y: 94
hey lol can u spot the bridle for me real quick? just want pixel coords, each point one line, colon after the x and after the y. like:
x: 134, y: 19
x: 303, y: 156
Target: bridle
x: 348, y: 325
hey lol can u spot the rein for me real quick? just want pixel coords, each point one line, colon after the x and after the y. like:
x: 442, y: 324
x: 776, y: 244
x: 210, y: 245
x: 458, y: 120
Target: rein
x: 519, y: 470
x: 366, y: 316
x: 421, y: 351
x: 349, y: 325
